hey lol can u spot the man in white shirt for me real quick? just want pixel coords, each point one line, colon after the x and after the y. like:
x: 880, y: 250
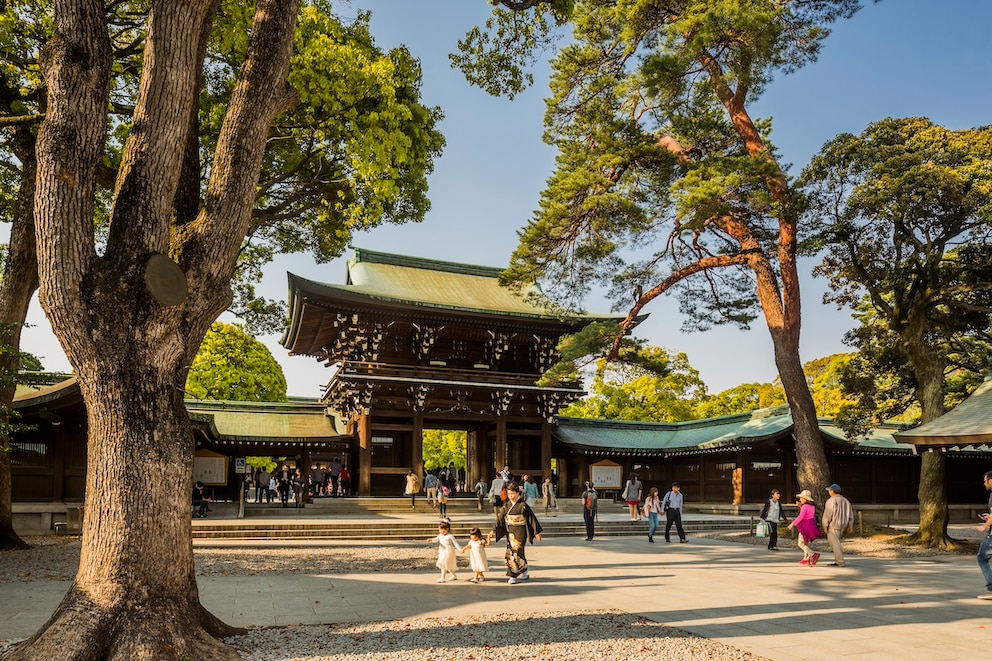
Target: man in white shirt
x: 672, y: 509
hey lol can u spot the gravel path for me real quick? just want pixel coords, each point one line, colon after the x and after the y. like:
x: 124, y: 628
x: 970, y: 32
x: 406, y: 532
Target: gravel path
x: 561, y: 636
x: 572, y: 635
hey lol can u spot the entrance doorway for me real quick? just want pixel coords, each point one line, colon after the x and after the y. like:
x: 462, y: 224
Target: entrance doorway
x: 446, y: 456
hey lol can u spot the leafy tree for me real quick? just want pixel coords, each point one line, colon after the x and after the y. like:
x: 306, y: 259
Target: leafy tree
x: 131, y: 303
x: 903, y: 216
x: 19, y: 115
x: 649, y: 110
x: 824, y: 376
x: 626, y: 392
x: 346, y: 156
x: 441, y: 447
x: 232, y: 365
x: 741, y: 399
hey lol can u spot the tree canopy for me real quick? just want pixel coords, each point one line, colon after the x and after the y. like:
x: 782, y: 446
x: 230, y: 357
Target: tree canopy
x: 232, y: 365
x: 172, y: 151
x: 665, y: 181
x: 442, y: 447
x: 902, y: 214
x: 630, y: 392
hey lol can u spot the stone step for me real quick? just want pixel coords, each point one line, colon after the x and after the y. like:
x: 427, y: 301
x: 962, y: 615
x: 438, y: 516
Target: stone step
x: 413, y: 530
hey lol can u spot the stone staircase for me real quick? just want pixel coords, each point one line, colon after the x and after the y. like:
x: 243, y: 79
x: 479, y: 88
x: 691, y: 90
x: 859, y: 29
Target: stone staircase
x: 393, y: 519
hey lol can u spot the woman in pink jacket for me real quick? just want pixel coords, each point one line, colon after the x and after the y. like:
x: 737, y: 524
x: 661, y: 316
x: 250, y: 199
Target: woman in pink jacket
x: 805, y: 523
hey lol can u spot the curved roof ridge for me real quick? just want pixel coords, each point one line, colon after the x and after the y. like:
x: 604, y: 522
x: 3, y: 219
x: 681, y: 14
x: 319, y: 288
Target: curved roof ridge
x: 392, y: 259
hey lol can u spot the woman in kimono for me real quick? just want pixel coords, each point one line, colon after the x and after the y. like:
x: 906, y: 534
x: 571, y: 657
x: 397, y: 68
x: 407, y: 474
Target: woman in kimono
x: 517, y: 523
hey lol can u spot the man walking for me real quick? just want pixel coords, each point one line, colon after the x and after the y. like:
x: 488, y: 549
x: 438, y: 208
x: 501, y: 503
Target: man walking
x: 838, y: 518
x: 985, y: 550
x: 430, y: 485
x: 671, y: 507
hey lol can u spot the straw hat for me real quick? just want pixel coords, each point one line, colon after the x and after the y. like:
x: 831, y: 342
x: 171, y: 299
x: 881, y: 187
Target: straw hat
x: 806, y: 495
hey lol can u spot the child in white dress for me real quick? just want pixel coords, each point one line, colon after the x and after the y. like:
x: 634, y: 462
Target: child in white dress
x: 447, y: 561
x: 477, y: 555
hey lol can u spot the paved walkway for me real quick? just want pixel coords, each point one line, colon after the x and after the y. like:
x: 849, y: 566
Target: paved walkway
x: 745, y: 596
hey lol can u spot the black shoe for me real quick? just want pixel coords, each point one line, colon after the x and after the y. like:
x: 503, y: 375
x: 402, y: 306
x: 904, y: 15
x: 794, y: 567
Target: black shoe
x: 668, y: 541
x: 651, y: 539
x: 683, y: 541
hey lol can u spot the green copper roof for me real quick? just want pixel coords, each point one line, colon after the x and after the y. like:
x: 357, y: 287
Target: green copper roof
x: 656, y: 437
x: 969, y: 423
x: 265, y: 421
x: 705, y: 435
x: 439, y: 284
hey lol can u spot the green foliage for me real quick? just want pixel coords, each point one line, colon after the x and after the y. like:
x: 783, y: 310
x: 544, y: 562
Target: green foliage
x: 741, y: 399
x: 669, y: 392
x: 497, y: 58
x: 232, y: 365
x: 902, y: 214
x: 584, y: 348
x: 352, y: 154
x: 441, y: 447
x: 268, y: 464
x: 648, y: 111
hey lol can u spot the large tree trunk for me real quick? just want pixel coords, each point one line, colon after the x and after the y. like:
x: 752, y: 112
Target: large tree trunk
x: 781, y: 306
x: 135, y: 594
x: 812, y: 471
x: 932, y: 493
x: 20, y: 281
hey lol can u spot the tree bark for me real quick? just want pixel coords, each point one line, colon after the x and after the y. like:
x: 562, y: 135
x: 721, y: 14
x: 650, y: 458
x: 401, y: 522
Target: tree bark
x: 135, y: 593
x: 20, y: 281
x: 932, y: 492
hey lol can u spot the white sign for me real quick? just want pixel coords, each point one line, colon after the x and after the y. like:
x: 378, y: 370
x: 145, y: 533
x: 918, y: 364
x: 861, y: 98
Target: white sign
x: 605, y: 476
x: 240, y: 466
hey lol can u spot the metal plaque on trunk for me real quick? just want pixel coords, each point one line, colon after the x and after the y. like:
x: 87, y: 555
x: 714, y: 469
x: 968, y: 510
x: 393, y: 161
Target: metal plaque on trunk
x: 165, y: 281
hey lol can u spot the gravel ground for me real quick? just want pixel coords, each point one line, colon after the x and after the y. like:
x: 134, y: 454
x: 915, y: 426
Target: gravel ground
x: 572, y: 636
x: 560, y: 636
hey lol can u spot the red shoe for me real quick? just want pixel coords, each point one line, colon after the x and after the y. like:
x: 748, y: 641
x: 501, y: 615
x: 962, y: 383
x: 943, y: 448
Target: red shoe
x: 804, y: 561
x: 812, y: 560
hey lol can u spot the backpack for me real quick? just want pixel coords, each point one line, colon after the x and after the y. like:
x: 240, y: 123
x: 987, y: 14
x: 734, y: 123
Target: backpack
x: 445, y: 490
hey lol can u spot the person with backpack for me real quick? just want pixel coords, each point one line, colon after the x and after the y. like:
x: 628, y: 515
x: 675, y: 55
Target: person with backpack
x: 443, y: 492
x: 481, y: 491
x: 497, y: 493
x: 430, y: 486
x: 590, y: 505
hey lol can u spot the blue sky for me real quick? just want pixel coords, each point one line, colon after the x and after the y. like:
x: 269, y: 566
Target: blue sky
x: 896, y: 58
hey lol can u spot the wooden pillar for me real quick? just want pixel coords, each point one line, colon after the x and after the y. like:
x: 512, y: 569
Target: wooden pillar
x: 545, y: 451
x: 58, y: 476
x: 474, y: 459
x: 501, y: 459
x: 582, y: 465
x: 304, y: 467
x: 417, y: 445
x: 702, y: 477
x: 365, y: 454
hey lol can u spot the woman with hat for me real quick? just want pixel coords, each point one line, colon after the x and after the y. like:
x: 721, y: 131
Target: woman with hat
x: 805, y: 523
